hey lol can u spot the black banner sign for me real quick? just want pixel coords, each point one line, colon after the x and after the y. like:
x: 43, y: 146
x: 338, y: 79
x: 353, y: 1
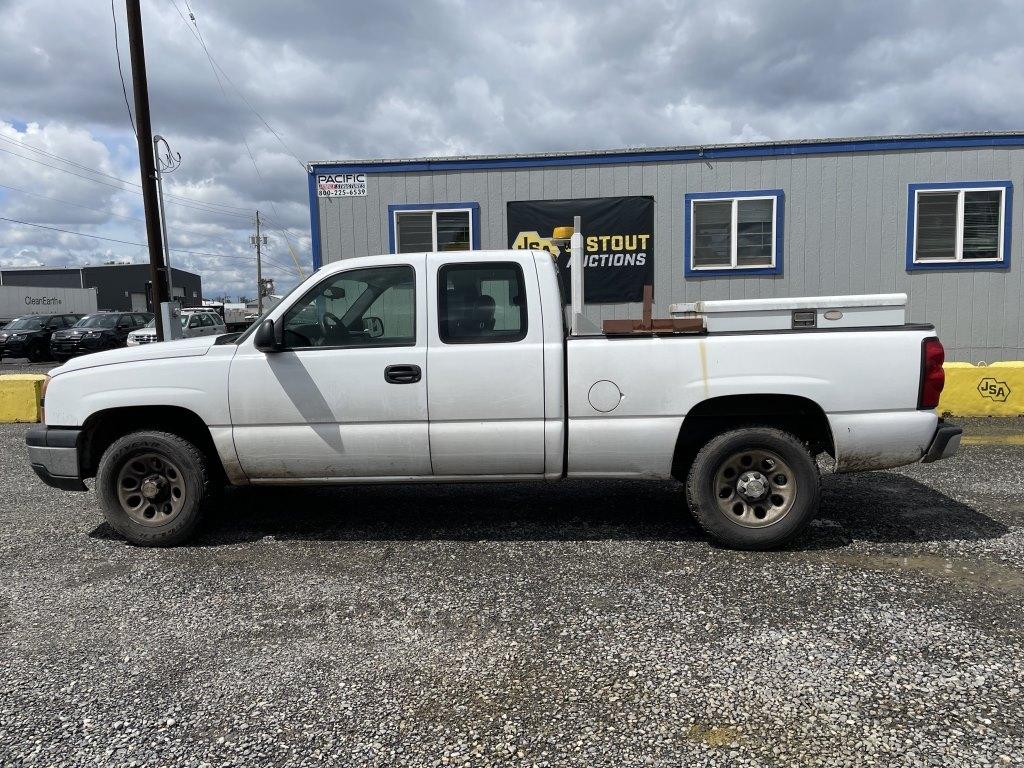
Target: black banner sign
x: 618, y: 241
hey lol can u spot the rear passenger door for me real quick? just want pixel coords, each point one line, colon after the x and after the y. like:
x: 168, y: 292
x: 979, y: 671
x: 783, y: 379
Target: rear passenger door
x: 485, y: 357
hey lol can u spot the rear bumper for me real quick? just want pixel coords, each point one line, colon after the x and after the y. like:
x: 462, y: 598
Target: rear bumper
x: 944, y: 444
x: 53, y: 454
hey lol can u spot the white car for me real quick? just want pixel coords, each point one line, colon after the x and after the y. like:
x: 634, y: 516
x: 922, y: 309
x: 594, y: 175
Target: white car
x: 458, y: 367
x: 192, y: 324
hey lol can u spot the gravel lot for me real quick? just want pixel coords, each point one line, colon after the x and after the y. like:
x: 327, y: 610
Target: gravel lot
x: 583, y: 624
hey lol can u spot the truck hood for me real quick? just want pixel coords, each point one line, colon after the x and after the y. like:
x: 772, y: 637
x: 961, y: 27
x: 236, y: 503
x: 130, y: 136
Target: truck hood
x: 163, y: 350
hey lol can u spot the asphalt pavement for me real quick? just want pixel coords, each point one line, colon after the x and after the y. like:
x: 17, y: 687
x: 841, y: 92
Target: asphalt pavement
x: 21, y: 365
x: 576, y: 624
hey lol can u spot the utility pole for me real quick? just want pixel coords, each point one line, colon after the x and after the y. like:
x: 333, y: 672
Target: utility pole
x: 163, y: 165
x: 258, y: 241
x: 140, y: 88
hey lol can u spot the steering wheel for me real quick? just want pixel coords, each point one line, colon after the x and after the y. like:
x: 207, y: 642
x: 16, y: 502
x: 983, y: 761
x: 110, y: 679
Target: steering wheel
x: 333, y: 328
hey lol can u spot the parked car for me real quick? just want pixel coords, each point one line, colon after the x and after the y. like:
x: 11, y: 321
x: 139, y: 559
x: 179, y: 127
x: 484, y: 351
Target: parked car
x: 29, y: 336
x: 96, y: 332
x: 457, y: 367
x: 199, y: 323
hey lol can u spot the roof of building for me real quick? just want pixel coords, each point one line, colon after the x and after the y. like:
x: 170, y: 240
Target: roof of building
x: 687, y: 152
x: 75, y: 267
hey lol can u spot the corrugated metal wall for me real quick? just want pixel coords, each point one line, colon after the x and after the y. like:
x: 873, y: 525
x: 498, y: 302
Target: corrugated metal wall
x: 845, y: 229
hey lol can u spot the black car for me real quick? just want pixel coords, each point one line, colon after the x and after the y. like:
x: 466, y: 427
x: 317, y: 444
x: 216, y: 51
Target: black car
x: 29, y: 336
x: 95, y: 332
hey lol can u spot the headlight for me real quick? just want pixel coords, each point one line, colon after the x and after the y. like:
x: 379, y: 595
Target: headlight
x: 92, y: 334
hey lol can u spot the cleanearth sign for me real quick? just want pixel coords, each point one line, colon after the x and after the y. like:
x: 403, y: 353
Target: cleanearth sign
x: 618, y: 241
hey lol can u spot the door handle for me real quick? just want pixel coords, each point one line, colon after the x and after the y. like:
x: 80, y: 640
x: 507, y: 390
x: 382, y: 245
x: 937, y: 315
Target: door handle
x: 402, y: 374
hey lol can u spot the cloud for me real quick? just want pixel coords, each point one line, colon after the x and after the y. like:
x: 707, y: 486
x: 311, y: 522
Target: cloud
x: 399, y: 79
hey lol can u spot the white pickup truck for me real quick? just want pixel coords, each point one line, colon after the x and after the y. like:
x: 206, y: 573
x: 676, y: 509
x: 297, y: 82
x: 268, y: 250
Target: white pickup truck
x: 460, y: 367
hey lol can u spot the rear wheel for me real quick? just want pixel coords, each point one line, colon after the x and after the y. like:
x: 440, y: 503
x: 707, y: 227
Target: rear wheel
x: 154, y: 487
x: 754, y: 488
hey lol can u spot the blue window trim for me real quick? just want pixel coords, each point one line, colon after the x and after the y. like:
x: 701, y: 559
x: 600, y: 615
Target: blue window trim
x: 474, y: 218
x: 314, y: 222
x: 1004, y: 261
x: 780, y: 205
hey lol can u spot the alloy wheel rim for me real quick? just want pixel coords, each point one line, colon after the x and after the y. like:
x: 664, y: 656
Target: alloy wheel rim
x: 755, y: 488
x: 151, y: 489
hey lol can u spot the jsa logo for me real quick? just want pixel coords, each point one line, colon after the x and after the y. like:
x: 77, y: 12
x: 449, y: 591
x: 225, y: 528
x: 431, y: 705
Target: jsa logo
x: 526, y: 241
x: 994, y: 389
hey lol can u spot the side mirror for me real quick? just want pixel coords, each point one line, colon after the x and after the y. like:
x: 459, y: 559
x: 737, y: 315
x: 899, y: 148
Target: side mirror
x: 266, y: 338
x: 373, y: 327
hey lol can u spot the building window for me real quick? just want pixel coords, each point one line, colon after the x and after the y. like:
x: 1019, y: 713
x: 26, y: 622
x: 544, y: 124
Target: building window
x: 434, y: 227
x: 959, y: 225
x: 733, y: 233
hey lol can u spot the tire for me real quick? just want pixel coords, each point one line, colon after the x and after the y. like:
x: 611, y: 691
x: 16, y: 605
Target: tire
x: 154, y: 488
x: 35, y: 354
x: 773, y: 484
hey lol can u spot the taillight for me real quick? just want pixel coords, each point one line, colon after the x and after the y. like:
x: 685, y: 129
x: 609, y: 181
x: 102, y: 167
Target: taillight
x: 933, y: 378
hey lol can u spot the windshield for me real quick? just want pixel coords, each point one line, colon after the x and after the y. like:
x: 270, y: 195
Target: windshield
x: 97, y: 321
x: 25, y: 324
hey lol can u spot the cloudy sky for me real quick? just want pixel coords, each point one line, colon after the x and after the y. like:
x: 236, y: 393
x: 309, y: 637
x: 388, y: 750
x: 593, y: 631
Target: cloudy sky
x: 339, y: 80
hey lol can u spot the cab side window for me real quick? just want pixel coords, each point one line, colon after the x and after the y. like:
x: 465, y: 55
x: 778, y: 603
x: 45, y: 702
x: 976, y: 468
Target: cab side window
x: 372, y: 307
x: 481, y: 303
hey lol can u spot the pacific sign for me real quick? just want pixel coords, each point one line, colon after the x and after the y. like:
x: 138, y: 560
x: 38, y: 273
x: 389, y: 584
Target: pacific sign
x: 341, y: 185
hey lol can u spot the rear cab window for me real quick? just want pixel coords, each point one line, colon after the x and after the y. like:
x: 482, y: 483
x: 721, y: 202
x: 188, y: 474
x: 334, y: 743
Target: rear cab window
x: 481, y: 303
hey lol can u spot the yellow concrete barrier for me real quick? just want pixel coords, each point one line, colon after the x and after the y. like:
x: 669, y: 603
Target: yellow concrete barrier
x: 19, y: 397
x: 983, y: 390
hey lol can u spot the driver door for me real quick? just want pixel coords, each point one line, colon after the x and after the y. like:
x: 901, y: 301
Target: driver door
x: 347, y: 397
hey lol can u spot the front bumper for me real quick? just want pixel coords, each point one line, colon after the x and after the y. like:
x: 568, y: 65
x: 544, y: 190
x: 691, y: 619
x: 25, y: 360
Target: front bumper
x: 53, y: 454
x: 944, y: 444
x: 79, y: 346
x: 15, y: 347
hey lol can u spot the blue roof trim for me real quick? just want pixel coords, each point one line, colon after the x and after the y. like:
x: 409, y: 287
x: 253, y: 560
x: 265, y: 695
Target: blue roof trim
x: 923, y: 266
x: 780, y: 205
x: 474, y: 217
x: 664, y: 155
x: 314, y: 223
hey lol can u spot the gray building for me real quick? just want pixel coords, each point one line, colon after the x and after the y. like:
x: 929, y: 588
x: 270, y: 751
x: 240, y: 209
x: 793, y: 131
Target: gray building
x: 118, y: 286
x: 930, y: 216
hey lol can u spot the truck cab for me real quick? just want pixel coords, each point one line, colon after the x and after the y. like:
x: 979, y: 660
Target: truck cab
x: 464, y: 340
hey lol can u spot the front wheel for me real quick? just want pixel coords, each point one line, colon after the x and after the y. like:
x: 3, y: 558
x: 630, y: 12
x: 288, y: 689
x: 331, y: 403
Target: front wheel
x: 754, y: 488
x: 154, y: 488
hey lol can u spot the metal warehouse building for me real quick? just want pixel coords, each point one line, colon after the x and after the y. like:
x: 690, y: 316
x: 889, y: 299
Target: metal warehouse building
x: 119, y: 287
x: 930, y: 216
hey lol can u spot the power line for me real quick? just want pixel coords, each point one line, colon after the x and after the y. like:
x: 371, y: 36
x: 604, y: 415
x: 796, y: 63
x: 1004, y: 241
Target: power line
x: 198, y: 35
x: 177, y: 227
x: 68, y: 202
x: 282, y: 267
x: 241, y: 134
x: 124, y: 88
x: 191, y: 203
x: 66, y: 161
